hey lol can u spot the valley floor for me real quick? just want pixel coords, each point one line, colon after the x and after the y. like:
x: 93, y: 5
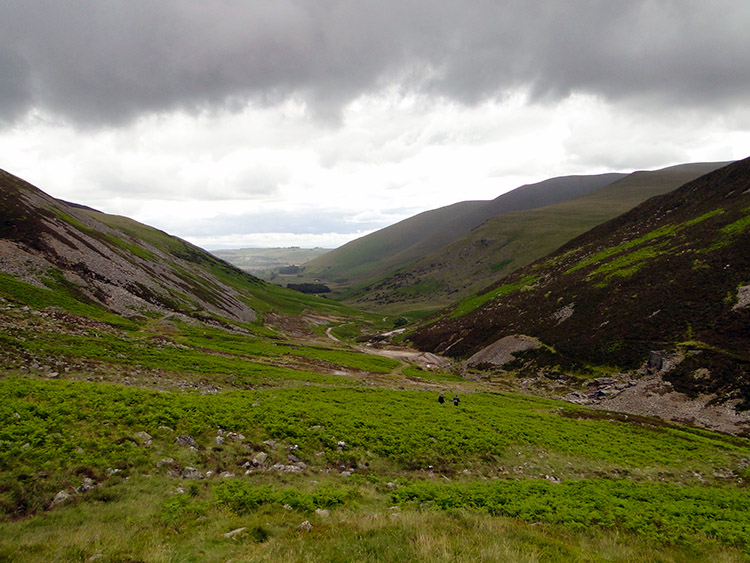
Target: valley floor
x: 164, y: 441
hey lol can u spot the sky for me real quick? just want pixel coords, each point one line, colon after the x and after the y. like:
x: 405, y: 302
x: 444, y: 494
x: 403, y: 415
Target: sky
x: 274, y: 123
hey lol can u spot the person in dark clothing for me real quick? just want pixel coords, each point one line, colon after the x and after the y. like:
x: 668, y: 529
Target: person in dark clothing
x: 455, y: 400
x: 441, y: 399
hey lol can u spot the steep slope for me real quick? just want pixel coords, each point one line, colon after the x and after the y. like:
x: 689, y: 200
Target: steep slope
x: 671, y: 275
x: 508, y: 241
x: 119, y: 264
x: 376, y: 254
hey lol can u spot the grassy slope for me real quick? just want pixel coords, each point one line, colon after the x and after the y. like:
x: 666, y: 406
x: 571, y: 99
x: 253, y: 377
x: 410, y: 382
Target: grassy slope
x: 486, y: 471
x: 664, y: 276
x: 394, y: 247
x: 263, y: 297
x: 512, y: 240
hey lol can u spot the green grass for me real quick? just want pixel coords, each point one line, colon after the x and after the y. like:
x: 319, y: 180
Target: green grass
x: 474, y: 302
x: 628, y: 487
x: 665, y: 231
x: 662, y: 512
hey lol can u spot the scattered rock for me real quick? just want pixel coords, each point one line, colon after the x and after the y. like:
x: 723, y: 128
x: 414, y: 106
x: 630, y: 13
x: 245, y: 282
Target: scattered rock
x: 86, y: 485
x: 233, y: 533
x: 260, y: 458
x: 219, y: 440
x: 186, y: 441
x: 346, y: 473
x: 286, y: 468
x: 226, y: 475
x: 287, y: 507
x: 143, y: 437
x: 322, y: 512
x: 191, y: 473
x: 305, y: 526
x: 165, y: 461
x: 270, y: 443
x: 60, y: 497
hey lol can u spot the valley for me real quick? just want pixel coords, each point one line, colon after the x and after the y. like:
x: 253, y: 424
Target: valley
x: 159, y: 404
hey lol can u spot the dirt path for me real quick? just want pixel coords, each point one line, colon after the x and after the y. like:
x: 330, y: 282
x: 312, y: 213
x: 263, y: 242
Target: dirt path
x: 424, y: 359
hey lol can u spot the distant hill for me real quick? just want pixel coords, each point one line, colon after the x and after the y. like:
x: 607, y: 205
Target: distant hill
x: 666, y: 284
x: 270, y: 263
x: 514, y: 238
x: 120, y: 265
x: 377, y: 254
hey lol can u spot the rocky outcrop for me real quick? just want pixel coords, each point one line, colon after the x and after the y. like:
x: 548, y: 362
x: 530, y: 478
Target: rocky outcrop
x: 502, y: 351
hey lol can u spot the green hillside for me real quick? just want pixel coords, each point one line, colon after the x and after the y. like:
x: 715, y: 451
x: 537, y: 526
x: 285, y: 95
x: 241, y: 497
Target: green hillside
x: 379, y: 253
x: 667, y: 280
x: 512, y: 240
x: 180, y: 430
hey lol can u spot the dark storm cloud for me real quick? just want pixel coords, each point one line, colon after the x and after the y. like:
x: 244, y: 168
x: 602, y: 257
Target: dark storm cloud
x: 96, y: 61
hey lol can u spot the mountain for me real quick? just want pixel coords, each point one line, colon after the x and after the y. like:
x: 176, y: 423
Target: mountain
x: 511, y: 239
x: 120, y: 265
x: 379, y: 253
x: 666, y: 285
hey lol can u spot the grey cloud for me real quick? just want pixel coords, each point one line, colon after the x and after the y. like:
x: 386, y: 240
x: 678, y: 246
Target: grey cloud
x: 106, y: 62
x: 298, y: 222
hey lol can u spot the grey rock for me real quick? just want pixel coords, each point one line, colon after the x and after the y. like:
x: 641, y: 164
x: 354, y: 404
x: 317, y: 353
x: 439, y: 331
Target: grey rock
x: 286, y: 468
x: 86, y: 485
x: 191, y: 473
x: 260, y: 458
x: 186, y: 441
x: 165, y: 461
x: 234, y: 533
x: 305, y: 526
x: 322, y: 512
x: 60, y: 497
x: 143, y: 437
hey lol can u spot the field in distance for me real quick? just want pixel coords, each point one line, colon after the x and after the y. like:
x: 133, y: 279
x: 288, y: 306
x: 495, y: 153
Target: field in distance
x: 268, y: 263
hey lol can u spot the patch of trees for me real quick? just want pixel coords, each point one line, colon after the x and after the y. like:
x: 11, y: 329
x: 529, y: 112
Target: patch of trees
x: 309, y: 287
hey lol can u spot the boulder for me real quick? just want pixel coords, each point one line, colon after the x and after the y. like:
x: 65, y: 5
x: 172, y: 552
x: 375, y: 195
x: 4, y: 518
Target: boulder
x: 186, y: 441
x: 191, y: 473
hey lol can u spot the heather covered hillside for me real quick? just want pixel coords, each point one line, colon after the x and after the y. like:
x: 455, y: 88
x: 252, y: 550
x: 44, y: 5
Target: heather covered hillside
x: 670, y: 276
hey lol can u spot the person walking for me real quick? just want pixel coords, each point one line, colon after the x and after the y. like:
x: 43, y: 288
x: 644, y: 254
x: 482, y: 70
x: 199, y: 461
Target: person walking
x: 455, y: 400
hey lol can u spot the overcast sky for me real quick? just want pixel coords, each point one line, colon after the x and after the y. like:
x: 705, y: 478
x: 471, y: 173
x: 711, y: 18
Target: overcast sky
x: 237, y: 123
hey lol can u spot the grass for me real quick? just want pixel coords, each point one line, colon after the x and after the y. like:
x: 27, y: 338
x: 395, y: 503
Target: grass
x: 503, y: 476
x: 628, y: 489
x: 475, y: 301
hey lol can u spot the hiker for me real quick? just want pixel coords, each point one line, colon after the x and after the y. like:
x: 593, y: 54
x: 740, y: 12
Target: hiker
x: 441, y: 399
x: 455, y: 400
